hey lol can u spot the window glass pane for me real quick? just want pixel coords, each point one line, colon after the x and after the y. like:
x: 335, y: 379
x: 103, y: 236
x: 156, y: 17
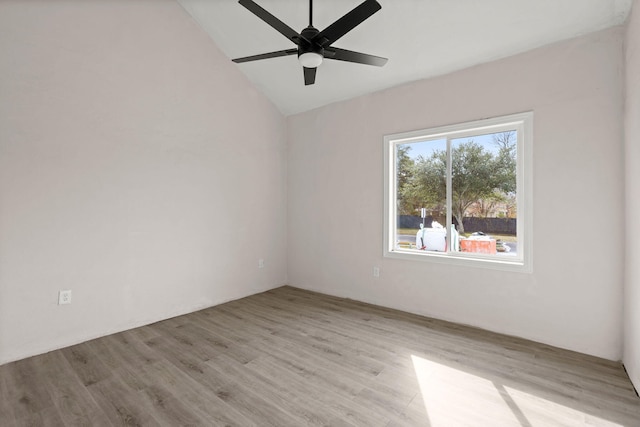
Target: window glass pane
x: 421, y: 179
x: 483, y: 193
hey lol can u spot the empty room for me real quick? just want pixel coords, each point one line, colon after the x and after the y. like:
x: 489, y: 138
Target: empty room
x: 330, y: 212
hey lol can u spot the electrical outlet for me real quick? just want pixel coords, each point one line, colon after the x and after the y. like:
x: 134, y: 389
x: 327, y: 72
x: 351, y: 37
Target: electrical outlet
x: 376, y: 271
x: 260, y: 263
x: 64, y: 297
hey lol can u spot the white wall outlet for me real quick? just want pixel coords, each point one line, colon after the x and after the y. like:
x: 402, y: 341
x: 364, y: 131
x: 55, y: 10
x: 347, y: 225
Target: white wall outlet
x: 376, y: 271
x: 260, y: 263
x: 64, y: 297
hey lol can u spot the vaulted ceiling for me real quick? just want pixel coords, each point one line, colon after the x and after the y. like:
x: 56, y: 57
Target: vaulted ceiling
x: 421, y: 38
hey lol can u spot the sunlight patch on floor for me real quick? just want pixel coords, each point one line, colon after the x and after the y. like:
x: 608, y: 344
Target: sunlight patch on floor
x: 453, y: 397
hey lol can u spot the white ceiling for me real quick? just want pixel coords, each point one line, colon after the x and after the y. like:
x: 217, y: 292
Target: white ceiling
x: 421, y: 38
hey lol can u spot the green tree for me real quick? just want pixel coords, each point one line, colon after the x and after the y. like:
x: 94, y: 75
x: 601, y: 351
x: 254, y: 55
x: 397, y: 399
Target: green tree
x: 473, y: 177
x: 476, y: 175
x: 405, y: 167
x: 428, y: 188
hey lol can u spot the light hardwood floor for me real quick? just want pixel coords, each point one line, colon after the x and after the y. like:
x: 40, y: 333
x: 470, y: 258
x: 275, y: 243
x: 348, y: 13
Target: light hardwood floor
x: 289, y: 357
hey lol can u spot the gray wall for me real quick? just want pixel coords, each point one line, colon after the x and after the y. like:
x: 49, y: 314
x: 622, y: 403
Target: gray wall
x: 632, y: 226
x: 138, y: 168
x: 573, y: 298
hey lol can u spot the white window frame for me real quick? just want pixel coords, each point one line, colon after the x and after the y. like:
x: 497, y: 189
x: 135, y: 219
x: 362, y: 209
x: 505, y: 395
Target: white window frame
x: 523, y: 123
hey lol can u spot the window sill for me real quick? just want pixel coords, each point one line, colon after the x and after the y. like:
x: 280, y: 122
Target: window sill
x: 466, y: 260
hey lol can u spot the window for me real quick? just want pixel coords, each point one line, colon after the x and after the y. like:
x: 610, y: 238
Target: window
x: 461, y: 194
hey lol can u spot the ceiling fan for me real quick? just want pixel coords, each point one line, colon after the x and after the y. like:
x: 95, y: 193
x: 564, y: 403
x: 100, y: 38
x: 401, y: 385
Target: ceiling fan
x: 314, y: 45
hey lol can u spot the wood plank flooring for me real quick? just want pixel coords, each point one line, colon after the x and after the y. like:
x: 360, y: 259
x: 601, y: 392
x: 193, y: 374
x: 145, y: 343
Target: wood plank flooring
x: 289, y: 357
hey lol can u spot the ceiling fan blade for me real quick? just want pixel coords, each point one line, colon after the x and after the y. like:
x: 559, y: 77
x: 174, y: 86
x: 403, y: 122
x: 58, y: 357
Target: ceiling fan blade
x: 266, y: 55
x: 351, y: 56
x: 279, y: 26
x: 309, y: 76
x: 347, y: 23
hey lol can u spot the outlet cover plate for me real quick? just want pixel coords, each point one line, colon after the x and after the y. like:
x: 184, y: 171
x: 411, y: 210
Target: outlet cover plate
x: 64, y: 297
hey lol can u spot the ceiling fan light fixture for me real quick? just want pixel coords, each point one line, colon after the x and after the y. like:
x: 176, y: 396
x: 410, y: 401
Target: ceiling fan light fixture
x: 310, y: 59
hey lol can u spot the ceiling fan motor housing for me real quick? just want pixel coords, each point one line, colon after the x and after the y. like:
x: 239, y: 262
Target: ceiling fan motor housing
x: 307, y: 44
